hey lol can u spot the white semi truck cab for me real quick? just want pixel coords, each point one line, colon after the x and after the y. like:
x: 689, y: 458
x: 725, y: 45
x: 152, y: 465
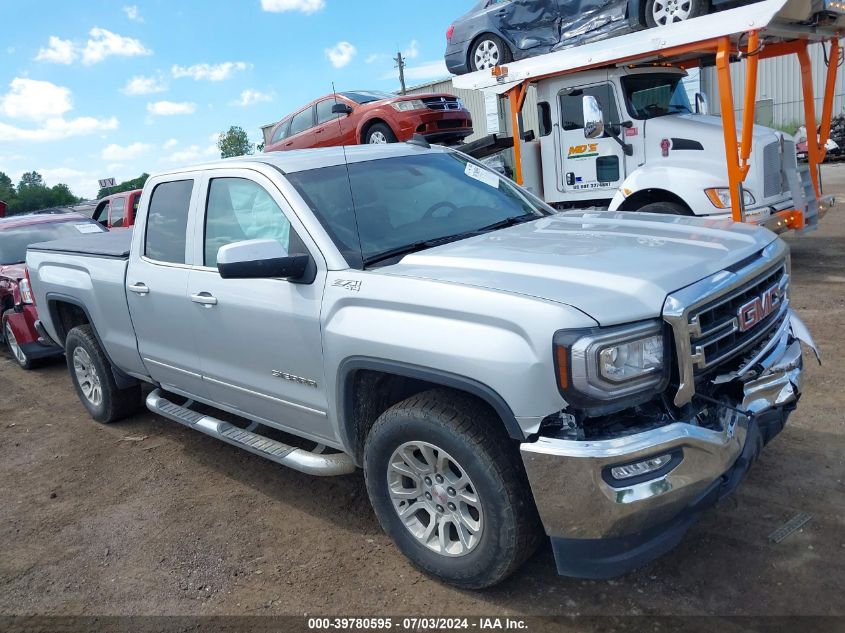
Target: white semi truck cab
x: 647, y: 148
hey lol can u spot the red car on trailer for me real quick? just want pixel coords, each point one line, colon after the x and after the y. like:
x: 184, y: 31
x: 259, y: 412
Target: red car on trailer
x: 18, y: 315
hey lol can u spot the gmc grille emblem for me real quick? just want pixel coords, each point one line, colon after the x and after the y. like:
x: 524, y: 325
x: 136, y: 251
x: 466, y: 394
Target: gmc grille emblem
x: 756, y: 310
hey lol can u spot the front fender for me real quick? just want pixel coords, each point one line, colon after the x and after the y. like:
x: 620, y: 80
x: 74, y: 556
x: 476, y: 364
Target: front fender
x: 688, y: 184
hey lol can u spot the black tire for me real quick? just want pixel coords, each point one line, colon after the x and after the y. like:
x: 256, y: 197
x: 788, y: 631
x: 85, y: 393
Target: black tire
x: 114, y: 403
x: 459, y: 425
x: 379, y: 129
x: 505, y: 55
x: 23, y: 361
x: 666, y: 208
x: 688, y: 8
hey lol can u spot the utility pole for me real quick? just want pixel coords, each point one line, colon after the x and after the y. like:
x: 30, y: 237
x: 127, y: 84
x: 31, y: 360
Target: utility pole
x: 400, y: 64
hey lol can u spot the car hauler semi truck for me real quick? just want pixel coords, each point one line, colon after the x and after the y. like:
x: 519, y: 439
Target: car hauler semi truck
x: 616, y: 128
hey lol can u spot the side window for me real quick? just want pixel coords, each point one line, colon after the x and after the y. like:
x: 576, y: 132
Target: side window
x: 302, y: 121
x: 101, y: 213
x: 544, y: 116
x: 324, y: 111
x: 238, y: 210
x: 572, y: 112
x: 167, y: 222
x: 118, y: 212
x: 281, y: 132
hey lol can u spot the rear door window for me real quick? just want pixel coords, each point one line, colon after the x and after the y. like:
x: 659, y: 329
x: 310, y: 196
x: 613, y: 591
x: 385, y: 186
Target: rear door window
x: 167, y: 222
x: 118, y: 212
x: 302, y: 121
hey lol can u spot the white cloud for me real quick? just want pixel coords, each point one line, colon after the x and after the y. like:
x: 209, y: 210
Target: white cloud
x: 374, y: 57
x: 250, y: 97
x: 341, y: 54
x: 113, y: 167
x: 170, y: 144
x: 303, y: 6
x: 57, y: 51
x: 115, y: 152
x: 170, y: 108
x: 103, y: 43
x: 421, y: 72
x: 36, y: 100
x: 193, y: 154
x: 57, y: 129
x: 141, y: 85
x: 133, y: 13
x: 209, y: 72
x: 413, y: 50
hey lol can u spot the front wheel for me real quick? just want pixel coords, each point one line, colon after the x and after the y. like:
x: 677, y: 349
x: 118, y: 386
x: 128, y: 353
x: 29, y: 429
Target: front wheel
x: 379, y: 134
x: 665, y: 208
x: 17, y: 352
x: 91, y: 374
x: 489, y: 51
x: 662, y: 12
x: 448, y: 487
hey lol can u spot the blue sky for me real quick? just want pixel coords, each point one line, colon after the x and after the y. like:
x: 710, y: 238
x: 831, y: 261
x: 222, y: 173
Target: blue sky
x: 101, y: 88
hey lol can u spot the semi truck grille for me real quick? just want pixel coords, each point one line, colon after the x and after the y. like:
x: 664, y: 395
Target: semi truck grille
x: 772, y: 179
x: 442, y: 103
x: 715, y: 334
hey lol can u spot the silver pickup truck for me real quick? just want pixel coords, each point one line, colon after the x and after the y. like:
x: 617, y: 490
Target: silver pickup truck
x: 494, y: 367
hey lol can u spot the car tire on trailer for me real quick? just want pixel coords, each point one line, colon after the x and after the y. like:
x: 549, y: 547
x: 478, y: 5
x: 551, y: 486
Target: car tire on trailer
x: 487, y: 51
x: 448, y: 486
x: 379, y: 134
x: 662, y: 12
x: 666, y: 208
x: 23, y: 361
x: 91, y: 374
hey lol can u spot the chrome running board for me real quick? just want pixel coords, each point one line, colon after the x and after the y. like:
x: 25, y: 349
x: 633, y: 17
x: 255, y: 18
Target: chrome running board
x: 290, y: 456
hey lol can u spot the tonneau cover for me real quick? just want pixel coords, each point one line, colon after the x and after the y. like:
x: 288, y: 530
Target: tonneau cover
x: 112, y: 244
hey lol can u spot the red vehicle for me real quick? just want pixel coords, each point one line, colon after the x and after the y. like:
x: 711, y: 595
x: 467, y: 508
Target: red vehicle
x: 368, y: 116
x: 117, y: 210
x: 18, y: 315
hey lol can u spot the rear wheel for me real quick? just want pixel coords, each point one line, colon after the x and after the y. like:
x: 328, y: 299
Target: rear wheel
x: 666, y: 208
x: 379, y: 134
x: 92, y: 377
x: 662, y: 12
x: 448, y: 487
x: 488, y: 51
x: 14, y: 347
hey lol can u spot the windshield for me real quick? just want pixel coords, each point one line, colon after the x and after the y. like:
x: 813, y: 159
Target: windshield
x: 650, y: 96
x: 366, y: 96
x: 13, y: 242
x: 409, y: 200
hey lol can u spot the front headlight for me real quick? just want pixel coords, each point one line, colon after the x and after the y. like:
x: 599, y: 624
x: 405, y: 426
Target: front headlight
x: 604, y: 364
x: 721, y: 197
x: 407, y: 106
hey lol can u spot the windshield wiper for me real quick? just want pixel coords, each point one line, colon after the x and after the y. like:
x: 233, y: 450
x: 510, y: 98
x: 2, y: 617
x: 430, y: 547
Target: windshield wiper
x: 503, y: 224
x: 415, y: 247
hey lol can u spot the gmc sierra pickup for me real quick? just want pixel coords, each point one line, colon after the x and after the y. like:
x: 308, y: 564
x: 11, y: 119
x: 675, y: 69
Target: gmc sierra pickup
x: 495, y: 368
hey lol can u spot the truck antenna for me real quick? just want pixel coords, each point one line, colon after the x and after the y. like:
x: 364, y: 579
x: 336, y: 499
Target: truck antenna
x: 349, y: 179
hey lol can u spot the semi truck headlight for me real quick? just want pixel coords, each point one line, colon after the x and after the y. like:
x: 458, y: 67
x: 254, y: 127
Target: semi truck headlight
x: 721, y: 197
x: 606, y: 364
x: 407, y: 106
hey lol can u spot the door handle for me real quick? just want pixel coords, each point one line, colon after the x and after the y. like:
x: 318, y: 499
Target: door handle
x: 139, y: 289
x: 205, y: 299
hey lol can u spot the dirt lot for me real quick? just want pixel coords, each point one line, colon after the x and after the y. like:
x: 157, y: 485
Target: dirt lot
x: 146, y: 517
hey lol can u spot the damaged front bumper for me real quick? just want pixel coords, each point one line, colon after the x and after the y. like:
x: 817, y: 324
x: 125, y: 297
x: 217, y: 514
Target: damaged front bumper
x: 601, y: 526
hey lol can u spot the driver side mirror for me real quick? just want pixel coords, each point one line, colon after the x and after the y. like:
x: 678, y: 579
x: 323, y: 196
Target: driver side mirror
x: 341, y: 108
x: 260, y: 259
x: 702, y: 105
x: 593, y: 117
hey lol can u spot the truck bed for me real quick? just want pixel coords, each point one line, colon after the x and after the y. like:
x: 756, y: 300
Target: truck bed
x: 113, y: 245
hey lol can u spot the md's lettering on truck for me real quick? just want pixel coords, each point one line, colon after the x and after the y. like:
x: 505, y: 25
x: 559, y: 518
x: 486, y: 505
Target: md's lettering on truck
x: 588, y: 150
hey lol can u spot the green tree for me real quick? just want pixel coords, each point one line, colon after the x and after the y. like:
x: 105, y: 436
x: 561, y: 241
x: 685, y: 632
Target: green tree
x: 7, y: 188
x: 31, y: 179
x: 126, y: 185
x: 61, y: 196
x: 233, y: 143
x: 33, y: 194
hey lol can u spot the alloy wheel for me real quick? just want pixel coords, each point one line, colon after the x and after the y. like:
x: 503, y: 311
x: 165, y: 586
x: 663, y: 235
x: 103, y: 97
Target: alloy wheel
x: 670, y: 11
x: 435, y: 499
x: 487, y: 55
x: 378, y: 138
x: 87, y: 377
x: 17, y: 352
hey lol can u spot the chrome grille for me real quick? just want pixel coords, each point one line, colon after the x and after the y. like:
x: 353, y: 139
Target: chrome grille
x: 715, y: 336
x: 442, y: 103
x: 772, y: 185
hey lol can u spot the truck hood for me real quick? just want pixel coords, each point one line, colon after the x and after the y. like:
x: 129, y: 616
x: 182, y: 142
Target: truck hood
x: 700, y: 127
x: 615, y: 267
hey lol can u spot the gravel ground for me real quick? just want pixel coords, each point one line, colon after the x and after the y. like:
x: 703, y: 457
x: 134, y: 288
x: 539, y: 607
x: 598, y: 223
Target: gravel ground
x: 147, y: 517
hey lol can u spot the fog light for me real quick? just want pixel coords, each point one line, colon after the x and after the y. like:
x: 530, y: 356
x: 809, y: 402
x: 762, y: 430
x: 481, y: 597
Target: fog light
x: 638, y: 469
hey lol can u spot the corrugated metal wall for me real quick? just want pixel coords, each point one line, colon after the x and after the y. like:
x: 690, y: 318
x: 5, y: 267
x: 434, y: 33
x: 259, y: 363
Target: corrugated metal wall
x: 778, y: 88
x: 474, y: 100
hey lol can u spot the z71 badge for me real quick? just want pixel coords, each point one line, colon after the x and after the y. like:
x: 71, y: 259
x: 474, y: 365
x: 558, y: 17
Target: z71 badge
x: 348, y: 284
